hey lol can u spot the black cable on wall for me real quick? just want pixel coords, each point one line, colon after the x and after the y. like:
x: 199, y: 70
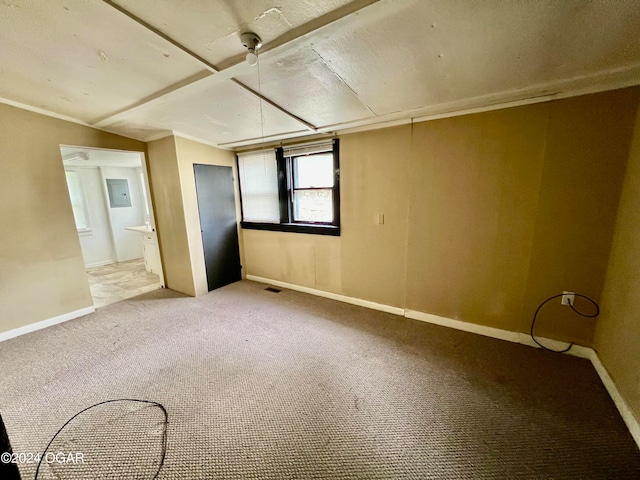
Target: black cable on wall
x: 535, y: 315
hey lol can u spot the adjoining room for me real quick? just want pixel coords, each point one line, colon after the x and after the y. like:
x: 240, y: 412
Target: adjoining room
x: 331, y: 240
x: 114, y: 220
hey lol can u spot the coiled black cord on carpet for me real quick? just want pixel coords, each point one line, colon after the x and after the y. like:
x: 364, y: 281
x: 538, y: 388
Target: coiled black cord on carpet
x: 156, y: 404
x: 535, y: 315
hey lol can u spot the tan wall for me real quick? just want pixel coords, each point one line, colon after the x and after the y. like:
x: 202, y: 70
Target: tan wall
x: 368, y: 260
x: 171, y: 161
x: 42, y: 272
x: 474, y: 192
x: 188, y: 154
x: 486, y: 215
x: 312, y: 261
x: 618, y: 334
x: 585, y: 158
x: 164, y: 177
x: 374, y: 176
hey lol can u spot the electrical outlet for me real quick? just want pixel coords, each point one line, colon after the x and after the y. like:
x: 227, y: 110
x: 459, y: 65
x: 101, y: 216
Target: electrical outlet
x: 568, y: 297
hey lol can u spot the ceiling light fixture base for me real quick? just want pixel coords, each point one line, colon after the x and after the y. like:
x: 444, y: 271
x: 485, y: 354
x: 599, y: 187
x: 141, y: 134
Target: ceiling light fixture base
x: 252, y: 42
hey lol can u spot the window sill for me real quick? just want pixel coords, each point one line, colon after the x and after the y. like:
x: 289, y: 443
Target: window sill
x: 310, y: 228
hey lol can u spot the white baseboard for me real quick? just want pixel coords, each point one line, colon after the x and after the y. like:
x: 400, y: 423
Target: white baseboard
x: 32, y: 327
x: 517, y: 337
x: 625, y: 412
x: 508, y: 335
x: 576, y: 350
x: 332, y: 296
x: 525, y: 339
x: 465, y: 326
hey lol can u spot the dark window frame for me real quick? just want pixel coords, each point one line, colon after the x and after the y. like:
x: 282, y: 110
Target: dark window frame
x: 285, y: 199
x: 293, y: 189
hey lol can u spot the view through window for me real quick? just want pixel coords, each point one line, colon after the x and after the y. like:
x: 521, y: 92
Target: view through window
x: 77, y: 199
x: 293, y: 188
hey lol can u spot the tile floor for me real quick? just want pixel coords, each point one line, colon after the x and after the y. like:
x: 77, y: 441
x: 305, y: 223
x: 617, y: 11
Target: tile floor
x: 117, y: 281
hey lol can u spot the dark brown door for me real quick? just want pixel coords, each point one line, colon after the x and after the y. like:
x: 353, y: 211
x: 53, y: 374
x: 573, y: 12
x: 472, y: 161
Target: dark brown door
x: 214, y: 187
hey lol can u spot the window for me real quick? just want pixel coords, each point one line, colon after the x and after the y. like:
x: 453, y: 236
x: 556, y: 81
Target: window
x: 259, y: 186
x: 292, y: 189
x: 312, y: 188
x: 76, y: 194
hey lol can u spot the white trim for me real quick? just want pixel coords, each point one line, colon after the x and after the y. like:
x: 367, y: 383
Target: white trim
x: 625, y: 412
x: 332, y: 296
x: 66, y: 118
x: 98, y: 149
x: 576, y: 350
x: 612, y: 79
x: 308, y: 148
x: 465, y: 326
x: 508, y: 335
x: 313, y: 138
x: 257, y: 142
x: 46, y: 113
x: 516, y: 337
x: 32, y: 327
x: 159, y: 136
x: 197, y: 140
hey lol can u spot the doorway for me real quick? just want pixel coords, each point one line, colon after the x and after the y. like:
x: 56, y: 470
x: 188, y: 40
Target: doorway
x: 108, y: 191
x: 217, y: 210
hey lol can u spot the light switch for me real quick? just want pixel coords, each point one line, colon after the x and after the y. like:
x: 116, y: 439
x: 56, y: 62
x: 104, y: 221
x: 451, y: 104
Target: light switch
x: 381, y: 219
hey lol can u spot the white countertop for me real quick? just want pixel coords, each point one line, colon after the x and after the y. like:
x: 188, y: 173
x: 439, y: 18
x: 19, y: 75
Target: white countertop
x: 140, y: 229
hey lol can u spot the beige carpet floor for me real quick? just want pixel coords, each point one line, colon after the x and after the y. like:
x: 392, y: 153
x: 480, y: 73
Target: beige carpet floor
x: 285, y: 385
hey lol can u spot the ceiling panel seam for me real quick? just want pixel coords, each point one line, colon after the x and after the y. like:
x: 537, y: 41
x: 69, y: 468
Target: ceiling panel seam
x: 270, y: 102
x: 113, y: 116
x: 209, y: 66
x: 342, y: 80
x: 225, y: 71
x: 610, y: 80
x: 302, y: 33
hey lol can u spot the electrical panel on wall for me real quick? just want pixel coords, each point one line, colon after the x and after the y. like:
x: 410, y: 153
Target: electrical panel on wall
x: 118, y: 193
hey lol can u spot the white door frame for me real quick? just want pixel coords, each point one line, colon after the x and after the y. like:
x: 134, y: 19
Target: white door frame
x: 145, y: 172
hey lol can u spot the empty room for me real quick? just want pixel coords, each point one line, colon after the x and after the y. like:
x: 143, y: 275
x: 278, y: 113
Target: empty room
x: 331, y: 239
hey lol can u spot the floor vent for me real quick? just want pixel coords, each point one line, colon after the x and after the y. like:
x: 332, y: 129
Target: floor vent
x: 273, y: 289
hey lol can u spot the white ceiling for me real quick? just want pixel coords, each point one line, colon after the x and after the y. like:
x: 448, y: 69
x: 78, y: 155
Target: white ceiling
x: 145, y: 69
